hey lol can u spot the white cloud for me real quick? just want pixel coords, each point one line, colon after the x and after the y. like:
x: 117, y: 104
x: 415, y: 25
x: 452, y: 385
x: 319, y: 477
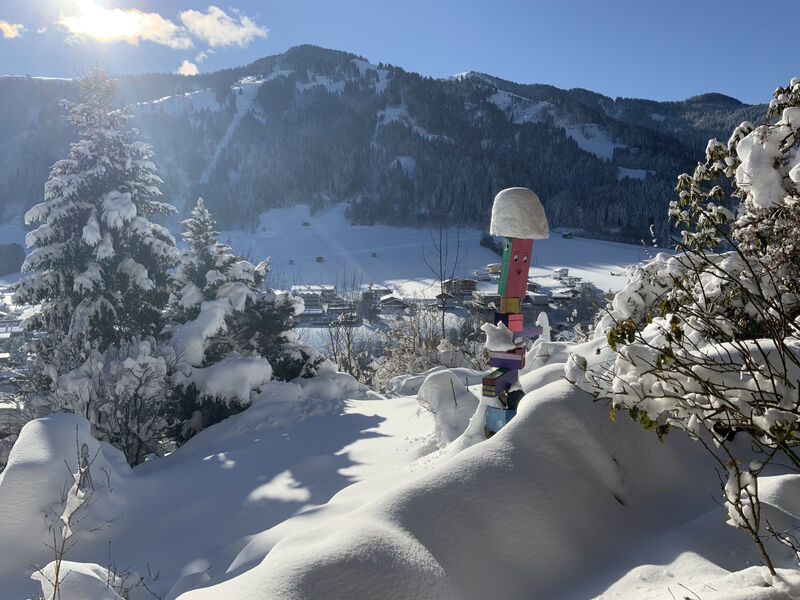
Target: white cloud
x: 187, y: 68
x: 41, y: 30
x: 11, y: 30
x: 111, y: 25
x: 201, y: 56
x: 220, y: 29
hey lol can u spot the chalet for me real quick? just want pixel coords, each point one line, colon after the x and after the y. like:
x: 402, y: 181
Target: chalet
x: 314, y: 296
x: 494, y: 268
x: 460, y: 286
x: 372, y: 293
x: 564, y: 294
x: 483, y: 298
x: 538, y: 299
x: 443, y: 298
x: 560, y: 273
x: 393, y: 303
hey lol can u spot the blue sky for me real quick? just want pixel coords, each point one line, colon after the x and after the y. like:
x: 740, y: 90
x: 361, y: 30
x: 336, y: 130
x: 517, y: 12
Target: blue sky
x: 667, y: 50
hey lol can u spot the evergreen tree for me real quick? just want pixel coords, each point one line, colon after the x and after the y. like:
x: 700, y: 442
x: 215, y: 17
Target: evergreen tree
x: 98, y: 266
x: 206, y: 265
x: 98, y: 273
x: 230, y: 336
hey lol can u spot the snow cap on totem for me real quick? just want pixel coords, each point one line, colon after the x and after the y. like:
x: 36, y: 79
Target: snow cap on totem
x: 517, y: 213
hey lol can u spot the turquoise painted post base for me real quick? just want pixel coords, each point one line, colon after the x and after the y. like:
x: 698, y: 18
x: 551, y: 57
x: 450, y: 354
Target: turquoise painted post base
x: 497, y: 418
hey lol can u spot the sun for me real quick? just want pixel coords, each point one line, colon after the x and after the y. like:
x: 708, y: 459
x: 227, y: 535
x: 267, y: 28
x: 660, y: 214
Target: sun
x: 102, y: 23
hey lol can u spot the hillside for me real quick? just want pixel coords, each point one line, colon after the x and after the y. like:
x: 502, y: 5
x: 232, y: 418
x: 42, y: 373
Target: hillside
x: 315, y: 126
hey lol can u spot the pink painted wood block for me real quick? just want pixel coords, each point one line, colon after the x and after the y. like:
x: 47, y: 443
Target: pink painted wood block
x: 519, y: 262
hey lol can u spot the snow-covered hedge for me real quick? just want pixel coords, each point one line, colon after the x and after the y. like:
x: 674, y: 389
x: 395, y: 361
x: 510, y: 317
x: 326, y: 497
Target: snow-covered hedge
x: 708, y: 339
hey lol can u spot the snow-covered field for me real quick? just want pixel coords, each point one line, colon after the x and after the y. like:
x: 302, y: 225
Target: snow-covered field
x: 323, y: 489
x: 347, y: 251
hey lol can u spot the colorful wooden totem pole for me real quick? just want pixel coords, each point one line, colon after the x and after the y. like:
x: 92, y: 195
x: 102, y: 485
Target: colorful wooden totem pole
x: 519, y: 217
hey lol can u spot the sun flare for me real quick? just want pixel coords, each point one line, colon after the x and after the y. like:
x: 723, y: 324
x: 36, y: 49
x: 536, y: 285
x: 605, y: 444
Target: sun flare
x: 89, y: 19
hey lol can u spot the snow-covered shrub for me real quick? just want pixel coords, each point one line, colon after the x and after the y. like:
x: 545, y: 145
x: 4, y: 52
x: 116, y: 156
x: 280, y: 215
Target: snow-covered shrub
x: 708, y: 340
x: 97, y: 274
x: 413, y: 344
x: 352, y: 348
x: 444, y: 394
x: 230, y: 337
x: 122, y: 393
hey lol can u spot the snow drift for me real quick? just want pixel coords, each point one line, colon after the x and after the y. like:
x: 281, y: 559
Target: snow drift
x: 557, y: 496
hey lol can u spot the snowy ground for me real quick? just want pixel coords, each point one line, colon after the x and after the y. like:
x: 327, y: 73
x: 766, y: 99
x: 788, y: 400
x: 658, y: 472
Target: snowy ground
x: 347, y: 250
x: 323, y: 489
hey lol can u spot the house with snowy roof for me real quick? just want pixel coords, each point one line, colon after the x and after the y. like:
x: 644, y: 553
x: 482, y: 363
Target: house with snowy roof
x: 393, y: 303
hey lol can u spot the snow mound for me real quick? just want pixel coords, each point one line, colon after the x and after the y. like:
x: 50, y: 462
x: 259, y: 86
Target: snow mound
x: 83, y: 580
x: 690, y: 572
x: 517, y: 212
x: 409, y: 385
x: 559, y: 477
x: 32, y: 485
x: 443, y: 393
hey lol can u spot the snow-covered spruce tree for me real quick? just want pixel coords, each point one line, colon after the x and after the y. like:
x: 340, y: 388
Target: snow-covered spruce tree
x: 98, y: 274
x: 230, y: 336
x: 708, y: 340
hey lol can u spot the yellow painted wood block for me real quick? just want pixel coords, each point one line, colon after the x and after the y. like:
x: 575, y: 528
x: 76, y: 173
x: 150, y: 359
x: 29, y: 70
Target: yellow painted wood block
x: 509, y: 305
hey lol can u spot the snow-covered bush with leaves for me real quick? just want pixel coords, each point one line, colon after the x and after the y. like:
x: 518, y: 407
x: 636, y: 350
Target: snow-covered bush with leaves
x: 98, y: 272
x: 230, y: 337
x: 122, y: 392
x: 413, y: 343
x: 708, y: 339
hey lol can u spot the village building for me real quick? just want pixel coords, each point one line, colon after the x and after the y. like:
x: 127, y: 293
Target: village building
x: 393, y: 303
x: 460, y: 286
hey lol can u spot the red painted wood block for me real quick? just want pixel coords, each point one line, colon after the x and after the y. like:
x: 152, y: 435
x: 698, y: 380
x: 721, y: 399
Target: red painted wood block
x: 513, y: 359
x: 502, y: 353
x: 513, y: 321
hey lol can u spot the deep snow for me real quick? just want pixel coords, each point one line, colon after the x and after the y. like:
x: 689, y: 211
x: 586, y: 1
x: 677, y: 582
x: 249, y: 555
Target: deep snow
x: 323, y: 489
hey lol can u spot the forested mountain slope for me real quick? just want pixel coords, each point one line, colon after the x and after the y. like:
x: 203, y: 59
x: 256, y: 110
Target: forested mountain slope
x: 317, y: 126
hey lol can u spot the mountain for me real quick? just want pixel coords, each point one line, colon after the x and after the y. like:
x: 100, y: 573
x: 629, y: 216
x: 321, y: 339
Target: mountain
x: 318, y: 126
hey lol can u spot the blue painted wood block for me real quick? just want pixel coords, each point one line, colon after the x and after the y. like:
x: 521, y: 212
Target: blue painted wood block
x: 498, y: 381
x: 497, y: 418
x: 512, y: 361
x: 528, y: 332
